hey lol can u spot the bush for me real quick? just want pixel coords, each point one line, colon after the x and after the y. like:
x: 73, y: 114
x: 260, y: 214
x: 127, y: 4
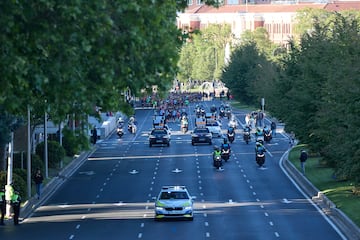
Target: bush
x: 21, y: 173
x: 56, y: 153
x: 74, y: 142
x: 36, y: 163
x: 18, y: 183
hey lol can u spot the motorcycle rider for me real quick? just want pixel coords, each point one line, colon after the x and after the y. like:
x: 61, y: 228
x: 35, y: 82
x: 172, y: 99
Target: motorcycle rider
x: 184, y: 122
x: 267, y: 133
x: 225, y: 145
x: 260, y: 154
x: 225, y: 150
x: 217, y: 154
x: 247, y: 135
x: 259, y: 148
x: 258, y: 132
x: 247, y: 128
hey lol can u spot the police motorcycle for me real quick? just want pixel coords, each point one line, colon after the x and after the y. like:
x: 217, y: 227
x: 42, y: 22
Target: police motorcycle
x: 199, y: 111
x: 217, y: 161
x: 132, y: 125
x: 119, y: 128
x: 267, y: 134
x: 225, y: 150
x: 259, y: 134
x: 184, y: 124
x: 247, y: 135
x: 228, y: 111
x: 222, y: 112
x: 213, y: 109
x: 119, y: 131
x: 233, y: 122
x: 260, y: 154
x: 231, y: 134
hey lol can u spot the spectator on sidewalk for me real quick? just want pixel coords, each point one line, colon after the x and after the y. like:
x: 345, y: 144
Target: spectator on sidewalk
x: 38, y: 179
x: 303, y: 158
x: 94, y: 135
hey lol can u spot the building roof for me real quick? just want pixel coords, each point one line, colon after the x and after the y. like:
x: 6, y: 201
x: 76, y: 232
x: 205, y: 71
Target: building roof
x: 343, y: 5
x: 275, y: 8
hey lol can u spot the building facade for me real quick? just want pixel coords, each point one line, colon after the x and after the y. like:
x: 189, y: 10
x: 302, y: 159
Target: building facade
x: 277, y: 19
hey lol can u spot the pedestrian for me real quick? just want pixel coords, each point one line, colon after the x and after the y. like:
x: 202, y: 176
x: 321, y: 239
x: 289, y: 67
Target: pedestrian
x: 38, y: 179
x: 15, y: 203
x: 94, y: 135
x: 303, y: 158
x: 273, y: 128
x: 2, y: 205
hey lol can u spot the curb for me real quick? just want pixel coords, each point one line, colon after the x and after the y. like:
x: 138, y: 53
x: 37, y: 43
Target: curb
x: 343, y: 222
x: 33, y: 203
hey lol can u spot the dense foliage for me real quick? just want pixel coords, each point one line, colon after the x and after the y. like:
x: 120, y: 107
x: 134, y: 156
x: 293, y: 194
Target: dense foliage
x: 202, y: 57
x: 314, y: 89
x: 66, y: 57
x: 56, y: 153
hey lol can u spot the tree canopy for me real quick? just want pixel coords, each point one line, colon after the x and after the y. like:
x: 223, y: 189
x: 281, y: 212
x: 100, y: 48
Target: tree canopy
x: 314, y: 87
x: 67, y: 57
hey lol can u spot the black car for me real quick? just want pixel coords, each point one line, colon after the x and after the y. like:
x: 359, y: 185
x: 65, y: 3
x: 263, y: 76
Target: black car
x: 159, y: 136
x: 201, y: 135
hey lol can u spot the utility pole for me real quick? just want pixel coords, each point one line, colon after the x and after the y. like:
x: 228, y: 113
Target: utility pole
x: 28, y: 153
x: 46, y: 146
x: 10, y: 169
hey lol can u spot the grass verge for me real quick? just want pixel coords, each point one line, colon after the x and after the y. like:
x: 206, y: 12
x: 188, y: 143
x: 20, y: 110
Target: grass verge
x: 341, y: 193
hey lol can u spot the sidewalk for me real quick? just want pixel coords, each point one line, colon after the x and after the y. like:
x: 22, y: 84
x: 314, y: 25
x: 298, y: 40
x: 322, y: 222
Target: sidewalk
x: 33, y: 203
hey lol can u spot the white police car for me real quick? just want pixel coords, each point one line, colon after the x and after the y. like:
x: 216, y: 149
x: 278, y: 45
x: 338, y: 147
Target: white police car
x: 174, y: 202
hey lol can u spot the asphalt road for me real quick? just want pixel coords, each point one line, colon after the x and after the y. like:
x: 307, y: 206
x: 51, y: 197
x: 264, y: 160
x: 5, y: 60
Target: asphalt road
x: 111, y: 195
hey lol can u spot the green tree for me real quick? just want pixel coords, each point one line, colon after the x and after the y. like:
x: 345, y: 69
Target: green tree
x: 202, y: 58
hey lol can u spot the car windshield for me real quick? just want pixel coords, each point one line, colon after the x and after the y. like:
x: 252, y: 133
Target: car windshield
x: 173, y: 195
x: 212, y: 124
x: 158, y: 132
x: 201, y: 130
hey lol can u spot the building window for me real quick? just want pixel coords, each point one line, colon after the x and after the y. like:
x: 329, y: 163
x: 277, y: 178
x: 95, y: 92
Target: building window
x: 190, y: 2
x: 232, y: 2
x: 198, y: 2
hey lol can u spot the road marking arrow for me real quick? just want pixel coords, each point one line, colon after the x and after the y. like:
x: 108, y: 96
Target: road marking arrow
x: 286, y: 201
x: 176, y: 170
x: 133, y: 172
